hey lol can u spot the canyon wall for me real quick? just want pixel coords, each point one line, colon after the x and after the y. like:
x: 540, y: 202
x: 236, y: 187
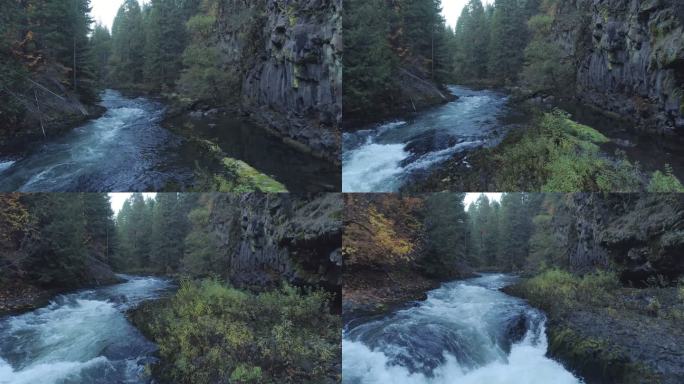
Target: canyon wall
x: 267, y: 238
x: 629, y: 56
x: 639, y: 235
x: 290, y: 53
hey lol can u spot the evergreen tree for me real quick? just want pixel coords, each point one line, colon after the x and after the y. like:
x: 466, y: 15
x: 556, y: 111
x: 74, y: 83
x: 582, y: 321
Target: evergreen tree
x: 446, y: 227
x: 170, y: 226
x: 128, y: 43
x: 202, y: 256
x: 165, y: 41
x: 473, y: 42
x: 100, y: 227
x: 508, y: 40
x: 368, y: 59
x: 101, y: 50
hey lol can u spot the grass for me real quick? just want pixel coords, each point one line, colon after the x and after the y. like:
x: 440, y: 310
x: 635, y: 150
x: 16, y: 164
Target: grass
x: 212, y: 333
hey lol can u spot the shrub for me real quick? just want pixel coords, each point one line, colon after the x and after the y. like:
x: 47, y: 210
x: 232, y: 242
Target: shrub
x: 560, y: 155
x: 665, y: 182
x: 556, y: 289
x: 212, y: 333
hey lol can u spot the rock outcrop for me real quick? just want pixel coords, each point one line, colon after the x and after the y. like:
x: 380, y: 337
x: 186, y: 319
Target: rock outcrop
x: 291, y: 54
x: 639, y: 235
x: 630, y: 58
x: 270, y: 237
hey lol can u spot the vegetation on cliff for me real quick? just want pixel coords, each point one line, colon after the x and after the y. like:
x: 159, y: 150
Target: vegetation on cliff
x: 46, y: 70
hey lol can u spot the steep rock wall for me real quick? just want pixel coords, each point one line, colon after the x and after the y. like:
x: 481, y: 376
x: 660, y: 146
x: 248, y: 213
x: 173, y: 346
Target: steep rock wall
x: 639, y: 235
x: 269, y: 237
x: 630, y: 57
x: 291, y: 54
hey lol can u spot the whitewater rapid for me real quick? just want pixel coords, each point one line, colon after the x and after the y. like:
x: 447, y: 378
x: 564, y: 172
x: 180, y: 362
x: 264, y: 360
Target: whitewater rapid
x: 466, y: 332
x: 384, y: 158
x: 82, y: 337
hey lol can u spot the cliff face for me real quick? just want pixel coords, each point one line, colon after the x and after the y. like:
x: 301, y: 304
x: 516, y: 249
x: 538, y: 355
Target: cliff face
x: 269, y: 237
x: 291, y: 53
x: 630, y: 57
x: 638, y: 235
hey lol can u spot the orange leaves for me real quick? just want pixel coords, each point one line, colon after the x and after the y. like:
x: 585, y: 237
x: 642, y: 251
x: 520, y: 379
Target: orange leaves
x: 382, y: 229
x: 14, y: 218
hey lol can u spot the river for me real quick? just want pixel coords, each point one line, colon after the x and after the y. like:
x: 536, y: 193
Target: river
x: 384, y: 158
x: 82, y: 337
x: 466, y: 332
x: 128, y: 149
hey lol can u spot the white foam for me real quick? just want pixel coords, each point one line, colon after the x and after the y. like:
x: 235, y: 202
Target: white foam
x: 373, y: 168
x: 526, y: 364
x: 4, y: 165
x: 48, y: 373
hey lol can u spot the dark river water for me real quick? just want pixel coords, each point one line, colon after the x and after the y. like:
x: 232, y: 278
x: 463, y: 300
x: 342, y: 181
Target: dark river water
x: 128, y: 150
x: 384, y: 158
x: 466, y: 332
x: 81, y: 338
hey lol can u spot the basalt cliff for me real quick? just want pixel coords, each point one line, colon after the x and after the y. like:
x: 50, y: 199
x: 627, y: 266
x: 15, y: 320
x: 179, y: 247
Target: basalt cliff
x: 629, y: 56
x: 291, y: 55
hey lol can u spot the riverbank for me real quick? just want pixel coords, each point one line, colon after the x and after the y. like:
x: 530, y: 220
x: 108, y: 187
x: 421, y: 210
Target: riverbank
x: 413, y: 95
x: 20, y: 297
x: 238, y: 144
x: 368, y: 292
x: 551, y: 154
x: 323, y: 145
x: 608, y: 333
x: 55, y: 125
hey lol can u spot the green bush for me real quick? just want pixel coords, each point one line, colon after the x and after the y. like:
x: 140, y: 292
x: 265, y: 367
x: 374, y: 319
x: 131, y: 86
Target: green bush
x: 556, y: 289
x: 560, y: 155
x: 212, y: 333
x: 665, y: 182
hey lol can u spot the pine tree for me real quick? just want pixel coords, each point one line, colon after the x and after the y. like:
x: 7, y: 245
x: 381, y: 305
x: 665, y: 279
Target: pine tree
x: 99, y: 224
x: 508, y: 39
x: 446, y: 227
x: 368, y: 60
x: 473, y: 41
x: 128, y: 43
x: 101, y: 50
